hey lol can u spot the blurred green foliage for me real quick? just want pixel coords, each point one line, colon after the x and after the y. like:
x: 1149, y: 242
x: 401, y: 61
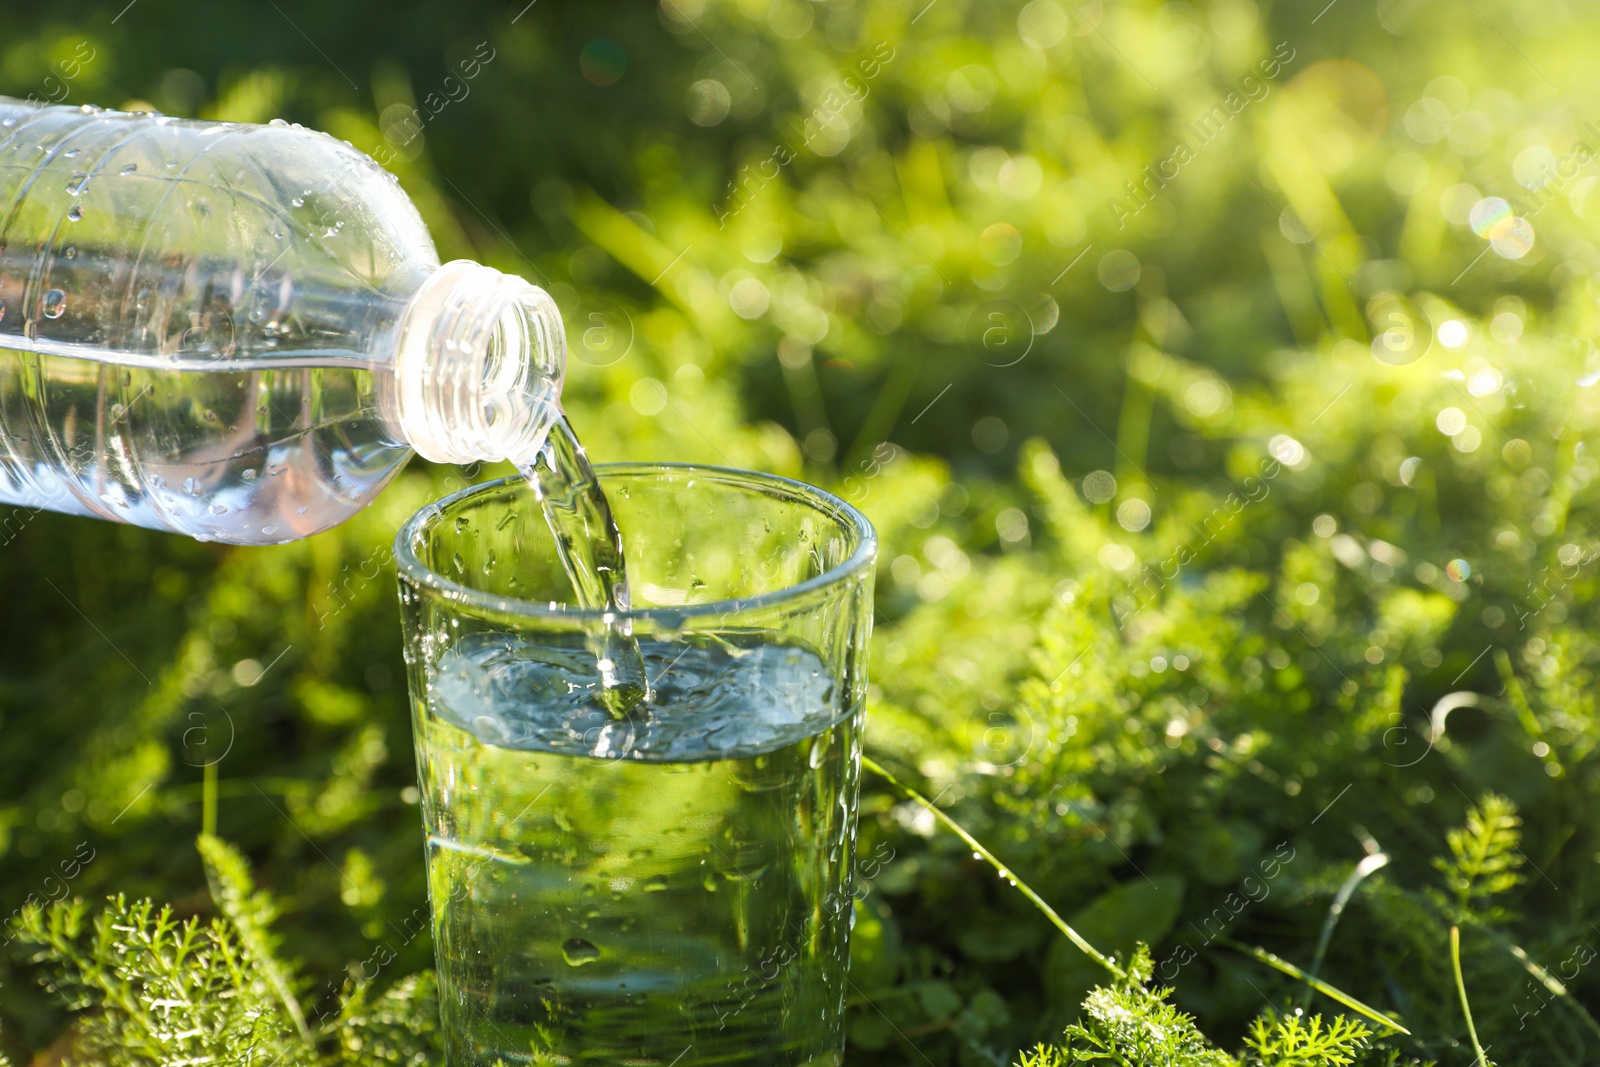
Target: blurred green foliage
x: 1205, y: 489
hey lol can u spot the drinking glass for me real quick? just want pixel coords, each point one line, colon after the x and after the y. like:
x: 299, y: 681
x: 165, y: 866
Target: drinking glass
x: 670, y: 885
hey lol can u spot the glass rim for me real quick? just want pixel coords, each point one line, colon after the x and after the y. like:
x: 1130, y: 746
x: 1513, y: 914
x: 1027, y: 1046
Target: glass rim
x: 412, y: 569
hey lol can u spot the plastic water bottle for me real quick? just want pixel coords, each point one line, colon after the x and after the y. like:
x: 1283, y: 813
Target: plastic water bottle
x: 240, y: 332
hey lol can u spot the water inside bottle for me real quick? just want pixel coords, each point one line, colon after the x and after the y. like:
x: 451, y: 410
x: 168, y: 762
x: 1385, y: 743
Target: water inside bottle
x: 590, y: 548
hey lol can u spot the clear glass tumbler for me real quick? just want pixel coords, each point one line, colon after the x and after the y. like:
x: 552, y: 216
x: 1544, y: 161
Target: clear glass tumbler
x: 669, y: 887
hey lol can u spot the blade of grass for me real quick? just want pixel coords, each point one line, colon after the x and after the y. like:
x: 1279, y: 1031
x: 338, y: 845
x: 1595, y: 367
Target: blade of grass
x: 1517, y: 698
x: 208, y: 800
x: 1369, y: 865
x: 1549, y: 981
x: 1333, y: 993
x: 1461, y: 988
x: 1004, y: 871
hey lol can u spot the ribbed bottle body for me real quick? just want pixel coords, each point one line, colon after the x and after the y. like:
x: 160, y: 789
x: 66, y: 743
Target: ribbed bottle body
x: 197, y: 321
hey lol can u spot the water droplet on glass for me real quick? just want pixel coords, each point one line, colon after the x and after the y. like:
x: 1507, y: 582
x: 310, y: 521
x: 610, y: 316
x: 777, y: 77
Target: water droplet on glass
x: 55, y: 304
x: 2, y: 310
x: 300, y: 511
x: 218, y: 509
x: 269, y: 530
x: 298, y: 201
x: 278, y: 122
x: 249, y: 474
x: 70, y: 153
x: 75, y: 213
x: 460, y: 564
x: 71, y: 252
x: 129, y: 169
x: 76, y: 185
x: 576, y: 951
x: 655, y: 883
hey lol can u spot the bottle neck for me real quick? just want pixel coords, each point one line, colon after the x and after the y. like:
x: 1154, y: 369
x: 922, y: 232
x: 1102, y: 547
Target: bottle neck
x: 478, y: 365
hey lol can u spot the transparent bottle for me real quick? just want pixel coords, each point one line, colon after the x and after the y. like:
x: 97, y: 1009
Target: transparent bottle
x: 240, y: 332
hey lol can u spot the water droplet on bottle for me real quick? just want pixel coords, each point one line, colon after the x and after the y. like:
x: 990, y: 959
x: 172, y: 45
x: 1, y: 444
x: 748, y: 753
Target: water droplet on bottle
x: 75, y: 213
x: 298, y: 201
x: 278, y: 122
x: 70, y: 153
x: 269, y: 530
x: 129, y: 169
x: 655, y: 883
x: 249, y: 474
x: 218, y: 509
x: 76, y: 185
x: 191, y: 485
x: 577, y: 952
x: 255, y: 315
x: 55, y: 304
x: 460, y: 564
x: 2, y: 310
x: 171, y: 163
x: 710, y: 884
x: 488, y: 564
x: 300, y: 511
x: 462, y: 522
x: 71, y: 252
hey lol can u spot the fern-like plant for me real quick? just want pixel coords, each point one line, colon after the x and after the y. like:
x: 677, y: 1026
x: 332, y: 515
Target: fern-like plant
x: 155, y: 991
x: 1485, y: 857
x: 1291, y: 1041
x: 1129, y: 1024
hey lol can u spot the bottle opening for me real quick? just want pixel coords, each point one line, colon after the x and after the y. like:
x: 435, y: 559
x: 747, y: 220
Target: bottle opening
x: 478, y: 366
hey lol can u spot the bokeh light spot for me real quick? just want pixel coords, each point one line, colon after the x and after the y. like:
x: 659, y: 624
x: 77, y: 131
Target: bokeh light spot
x: 603, y: 62
x: 1488, y: 213
x: 1000, y: 244
x: 1099, y: 486
x: 1119, y: 270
